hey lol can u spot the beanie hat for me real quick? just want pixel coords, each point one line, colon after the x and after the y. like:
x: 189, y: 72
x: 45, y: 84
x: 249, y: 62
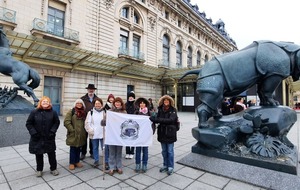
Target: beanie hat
x: 131, y: 94
x: 110, y: 96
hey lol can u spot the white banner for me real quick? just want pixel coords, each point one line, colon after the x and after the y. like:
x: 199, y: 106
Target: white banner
x: 128, y: 130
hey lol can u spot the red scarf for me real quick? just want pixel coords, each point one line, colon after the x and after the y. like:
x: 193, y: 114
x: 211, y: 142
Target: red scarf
x: 80, y: 113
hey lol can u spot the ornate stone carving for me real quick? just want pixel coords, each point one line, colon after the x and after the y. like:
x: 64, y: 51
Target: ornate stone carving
x: 152, y: 22
x: 108, y: 3
x: 42, y: 7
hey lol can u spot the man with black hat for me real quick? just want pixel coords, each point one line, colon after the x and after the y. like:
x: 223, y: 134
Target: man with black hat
x: 130, y: 110
x: 88, y: 99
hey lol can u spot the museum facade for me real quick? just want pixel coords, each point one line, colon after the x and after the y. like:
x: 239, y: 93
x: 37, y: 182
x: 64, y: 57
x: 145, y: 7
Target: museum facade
x: 143, y: 46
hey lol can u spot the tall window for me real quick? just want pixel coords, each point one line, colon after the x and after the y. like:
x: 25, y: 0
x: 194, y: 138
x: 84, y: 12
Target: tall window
x: 136, y: 46
x: 178, y: 54
x: 198, y: 58
x: 166, y: 49
x: 124, y: 41
x: 190, y: 57
x: 206, y: 58
x: 136, y: 18
x: 56, y: 21
x: 125, y: 12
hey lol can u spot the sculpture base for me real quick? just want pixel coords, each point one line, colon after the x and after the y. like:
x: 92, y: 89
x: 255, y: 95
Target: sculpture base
x: 13, y: 118
x: 268, y: 179
x: 282, y: 164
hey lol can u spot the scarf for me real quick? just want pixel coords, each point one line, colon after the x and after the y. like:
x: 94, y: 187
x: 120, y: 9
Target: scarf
x: 80, y: 113
x: 144, y: 110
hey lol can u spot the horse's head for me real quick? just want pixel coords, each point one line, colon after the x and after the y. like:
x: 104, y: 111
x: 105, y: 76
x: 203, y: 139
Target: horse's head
x: 3, y: 39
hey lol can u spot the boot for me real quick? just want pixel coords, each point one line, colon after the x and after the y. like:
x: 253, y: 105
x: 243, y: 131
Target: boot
x: 144, y: 168
x: 137, y: 168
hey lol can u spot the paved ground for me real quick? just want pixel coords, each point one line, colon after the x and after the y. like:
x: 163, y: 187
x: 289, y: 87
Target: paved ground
x: 17, y: 169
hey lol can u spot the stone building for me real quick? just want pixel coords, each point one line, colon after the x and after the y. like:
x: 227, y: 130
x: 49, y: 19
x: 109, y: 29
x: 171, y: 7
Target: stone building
x: 120, y: 46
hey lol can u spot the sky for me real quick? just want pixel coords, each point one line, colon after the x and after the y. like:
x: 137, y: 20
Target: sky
x: 248, y: 21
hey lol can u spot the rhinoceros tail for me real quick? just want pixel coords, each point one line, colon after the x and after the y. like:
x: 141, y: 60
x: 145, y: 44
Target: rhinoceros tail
x: 34, y: 76
x: 192, y: 72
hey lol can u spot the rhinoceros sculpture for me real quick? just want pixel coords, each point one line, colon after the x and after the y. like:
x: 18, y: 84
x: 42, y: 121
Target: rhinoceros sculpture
x: 265, y: 63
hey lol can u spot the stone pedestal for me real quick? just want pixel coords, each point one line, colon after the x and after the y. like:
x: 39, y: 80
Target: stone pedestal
x: 13, y: 118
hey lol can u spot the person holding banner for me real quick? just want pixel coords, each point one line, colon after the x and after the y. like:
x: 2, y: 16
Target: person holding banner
x: 143, y: 109
x: 94, y: 129
x: 130, y: 109
x: 115, y: 151
x: 166, y: 131
x: 108, y: 106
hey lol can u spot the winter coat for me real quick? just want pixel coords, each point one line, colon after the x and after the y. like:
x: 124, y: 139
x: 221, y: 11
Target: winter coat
x: 130, y: 107
x: 107, y: 106
x: 167, y: 120
x: 93, y: 124
x: 137, y: 111
x: 76, y: 134
x: 88, y: 104
x: 42, y: 126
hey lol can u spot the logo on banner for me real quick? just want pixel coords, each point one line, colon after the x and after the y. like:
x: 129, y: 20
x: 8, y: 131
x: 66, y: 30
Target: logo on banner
x: 130, y: 129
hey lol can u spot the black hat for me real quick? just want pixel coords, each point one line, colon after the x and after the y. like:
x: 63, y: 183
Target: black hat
x: 131, y: 94
x: 91, y: 86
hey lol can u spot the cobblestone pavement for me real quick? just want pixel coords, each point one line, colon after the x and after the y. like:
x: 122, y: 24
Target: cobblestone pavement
x: 17, y: 169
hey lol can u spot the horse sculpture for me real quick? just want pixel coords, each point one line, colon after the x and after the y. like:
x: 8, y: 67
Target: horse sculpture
x: 265, y: 63
x: 20, y: 72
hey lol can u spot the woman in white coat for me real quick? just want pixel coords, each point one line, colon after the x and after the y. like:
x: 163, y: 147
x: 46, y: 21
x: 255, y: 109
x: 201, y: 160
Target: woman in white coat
x: 94, y: 128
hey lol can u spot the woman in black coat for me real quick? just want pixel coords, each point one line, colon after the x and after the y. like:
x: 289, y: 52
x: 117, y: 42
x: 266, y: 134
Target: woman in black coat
x: 42, y: 124
x: 166, y: 131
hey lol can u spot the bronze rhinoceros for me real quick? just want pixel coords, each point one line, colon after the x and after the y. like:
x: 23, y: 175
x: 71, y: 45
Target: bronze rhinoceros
x: 265, y: 63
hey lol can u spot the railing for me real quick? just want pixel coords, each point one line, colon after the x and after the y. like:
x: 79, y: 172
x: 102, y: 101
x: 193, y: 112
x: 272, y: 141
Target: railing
x: 132, y: 53
x: 164, y: 63
x: 7, y: 15
x: 44, y: 26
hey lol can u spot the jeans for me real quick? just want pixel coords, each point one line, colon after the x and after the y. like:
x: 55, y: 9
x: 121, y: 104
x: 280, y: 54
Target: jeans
x: 106, y: 153
x: 115, y: 157
x: 95, y: 143
x: 138, y: 152
x: 168, y: 154
x: 74, y: 155
x: 40, y: 161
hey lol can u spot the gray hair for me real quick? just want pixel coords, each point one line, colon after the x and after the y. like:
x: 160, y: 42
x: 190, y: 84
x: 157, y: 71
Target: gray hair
x: 79, y: 101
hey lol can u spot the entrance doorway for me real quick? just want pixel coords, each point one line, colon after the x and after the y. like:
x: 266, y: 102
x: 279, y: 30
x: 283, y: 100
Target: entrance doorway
x: 52, y: 89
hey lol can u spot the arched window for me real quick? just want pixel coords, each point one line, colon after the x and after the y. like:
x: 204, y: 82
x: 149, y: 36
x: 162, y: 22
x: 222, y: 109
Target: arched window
x: 190, y: 57
x: 206, y: 58
x: 125, y: 12
x: 166, y: 50
x: 198, y: 58
x: 178, y: 55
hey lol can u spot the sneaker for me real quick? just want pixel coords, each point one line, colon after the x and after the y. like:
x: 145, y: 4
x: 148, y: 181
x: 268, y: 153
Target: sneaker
x: 170, y: 171
x: 39, y: 174
x: 96, y: 164
x: 163, y: 169
x: 127, y: 156
x: 130, y: 156
x: 71, y: 167
x: 137, y: 168
x: 78, y: 165
x: 82, y: 157
x: 54, y: 172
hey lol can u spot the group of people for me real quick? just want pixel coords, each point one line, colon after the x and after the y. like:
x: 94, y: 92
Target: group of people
x: 234, y: 105
x: 86, y: 122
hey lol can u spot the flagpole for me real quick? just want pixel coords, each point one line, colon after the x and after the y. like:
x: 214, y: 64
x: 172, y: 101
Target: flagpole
x: 103, y: 160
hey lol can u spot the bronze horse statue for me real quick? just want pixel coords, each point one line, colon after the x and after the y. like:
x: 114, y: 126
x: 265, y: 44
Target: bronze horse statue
x: 265, y: 63
x: 20, y: 72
